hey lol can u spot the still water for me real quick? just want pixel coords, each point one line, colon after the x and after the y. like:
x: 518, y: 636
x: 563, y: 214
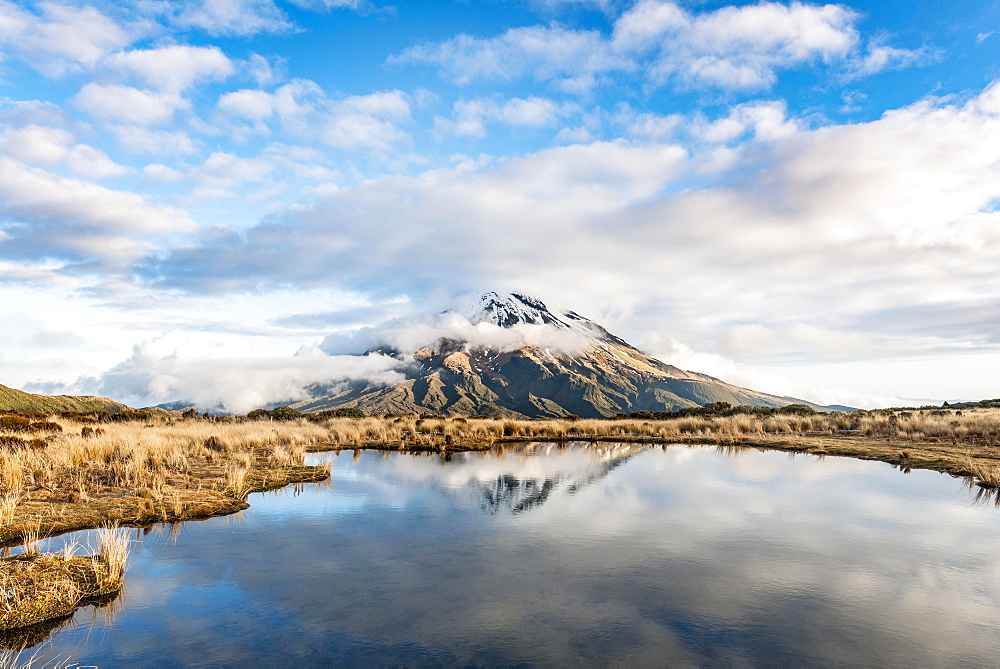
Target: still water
x: 547, y: 555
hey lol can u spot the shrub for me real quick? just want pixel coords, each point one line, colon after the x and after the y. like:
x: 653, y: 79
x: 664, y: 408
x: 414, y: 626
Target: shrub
x: 14, y: 424
x: 11, y: 443
x: 126, y: 415
x: 46, y: 426
x: 213, y: 443
x: 337, y: 413
x: 285, y: 413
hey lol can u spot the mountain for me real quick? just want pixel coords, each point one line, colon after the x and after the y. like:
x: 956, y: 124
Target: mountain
x: 535, y: 363
x: 18, y: 400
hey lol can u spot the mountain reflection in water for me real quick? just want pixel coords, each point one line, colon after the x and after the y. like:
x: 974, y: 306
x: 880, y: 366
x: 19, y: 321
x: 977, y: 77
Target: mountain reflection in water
x: 516, y: 491
x: 568, y: 555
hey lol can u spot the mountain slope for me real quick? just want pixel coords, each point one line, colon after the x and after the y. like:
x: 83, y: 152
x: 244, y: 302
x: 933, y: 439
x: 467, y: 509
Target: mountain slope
x: 18, y: 400
x: 571, y: 366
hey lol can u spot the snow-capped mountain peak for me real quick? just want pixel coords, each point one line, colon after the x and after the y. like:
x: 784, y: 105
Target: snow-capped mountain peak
x: 507, y: 310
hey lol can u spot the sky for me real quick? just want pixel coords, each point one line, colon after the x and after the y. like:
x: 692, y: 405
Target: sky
x: 196, y: 197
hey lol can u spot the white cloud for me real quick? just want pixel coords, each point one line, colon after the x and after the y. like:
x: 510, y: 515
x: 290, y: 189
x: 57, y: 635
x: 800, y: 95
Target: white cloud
x: 294, y: 107
x: 765, y: 378
x: 175, y: 68
x: 114, y: 102
x: 880, y: 57
x: 62, y: 37
x: 469, y: 117
x: 177, y: 366
x: 368, y: 121
x: 221, y: 173
x: 47, y: 146
x: 733, y: 48
x: 406, y: 335
x: 848, y: 224
x: 754, y: 339
x: 232, y: 17
x: 162, y: 173
x: 37, y: 145
x: 647, y: 126
x: 767, y: 120
x: 137, y: 139
x: 302, y: 108
x: 572, y: 58
x: 264, y: 71
x: 51, y: 216
x: 320, y: 5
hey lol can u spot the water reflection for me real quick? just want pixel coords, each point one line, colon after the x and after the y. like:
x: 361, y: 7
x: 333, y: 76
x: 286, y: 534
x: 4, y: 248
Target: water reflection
x: 524, y: 477
x: 982, y: 495
x: 629, y: 555
x: 103, y: 609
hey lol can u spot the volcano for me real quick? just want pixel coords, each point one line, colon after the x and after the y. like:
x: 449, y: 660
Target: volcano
x: 551, y: 365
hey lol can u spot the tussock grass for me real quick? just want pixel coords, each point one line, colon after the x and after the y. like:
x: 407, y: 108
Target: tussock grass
x: 35, y: 588
x: 937, y: 439
x: 979, y: 427
x: 167, y: 469
x: 987, y: 474
x: 144, y: 471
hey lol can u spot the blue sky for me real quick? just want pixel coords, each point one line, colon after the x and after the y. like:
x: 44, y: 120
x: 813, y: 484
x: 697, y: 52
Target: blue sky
x: 797, y: 197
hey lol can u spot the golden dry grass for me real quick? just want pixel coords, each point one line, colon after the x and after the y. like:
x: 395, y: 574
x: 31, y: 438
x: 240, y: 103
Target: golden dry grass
x: 71, y: 475
x: 942, y: 440
x: 140, y: 472
x: 35, y: 588
x: 64, y: 475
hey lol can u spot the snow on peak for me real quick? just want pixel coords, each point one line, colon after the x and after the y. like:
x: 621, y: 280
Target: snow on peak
x: 508, y: 310
x: 516, y: 310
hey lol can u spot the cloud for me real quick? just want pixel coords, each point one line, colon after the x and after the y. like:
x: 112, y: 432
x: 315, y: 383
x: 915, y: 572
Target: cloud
x: 232, y: 17
x: 408, y: 334
x: 174, y: 68
x: 369, y: 121
x: 571, y: 58
x: 766, y: 378
x: 731, y: 48
x: 46, y: 216
x: 47, y: 146
x: 302, y: 108
x: 221, y: 173
x: 326, y: 5
x: 61, y: 38
x: 469, y: 117
x: 524, y: 210
x: 288, y: 102
x: 839, y: 222
x: 162, y: 173
x: 754, y: 339
x: 139, y: 139
x: 178, y: 367
x: 126, y: 104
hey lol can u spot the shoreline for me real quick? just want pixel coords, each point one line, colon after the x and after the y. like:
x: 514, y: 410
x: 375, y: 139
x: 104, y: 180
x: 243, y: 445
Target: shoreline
x: 137, y: 477
x: 933, y: 456
x: 124, y: 511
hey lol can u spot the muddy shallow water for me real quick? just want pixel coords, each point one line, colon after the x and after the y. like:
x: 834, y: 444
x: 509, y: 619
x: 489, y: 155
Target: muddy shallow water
x: 574, y: 555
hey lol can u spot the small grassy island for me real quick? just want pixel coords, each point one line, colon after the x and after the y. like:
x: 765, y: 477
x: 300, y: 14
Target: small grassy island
x: 66, y: 471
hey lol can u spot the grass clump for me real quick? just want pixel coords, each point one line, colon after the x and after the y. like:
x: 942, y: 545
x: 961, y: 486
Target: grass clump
x: 35, y: 588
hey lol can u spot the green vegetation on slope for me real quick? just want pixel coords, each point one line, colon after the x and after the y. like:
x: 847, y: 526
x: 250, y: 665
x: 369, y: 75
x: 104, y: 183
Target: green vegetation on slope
x: 18, y: 400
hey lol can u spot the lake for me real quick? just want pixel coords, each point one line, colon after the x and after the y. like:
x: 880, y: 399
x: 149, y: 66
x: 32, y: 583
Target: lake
x: 566, y: 555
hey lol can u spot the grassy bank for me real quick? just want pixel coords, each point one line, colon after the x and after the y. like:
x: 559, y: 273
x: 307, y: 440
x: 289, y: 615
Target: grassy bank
x: 59, y: 475
x: 63, y: 473
x: 961, y: 443
x: 36, y: 588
